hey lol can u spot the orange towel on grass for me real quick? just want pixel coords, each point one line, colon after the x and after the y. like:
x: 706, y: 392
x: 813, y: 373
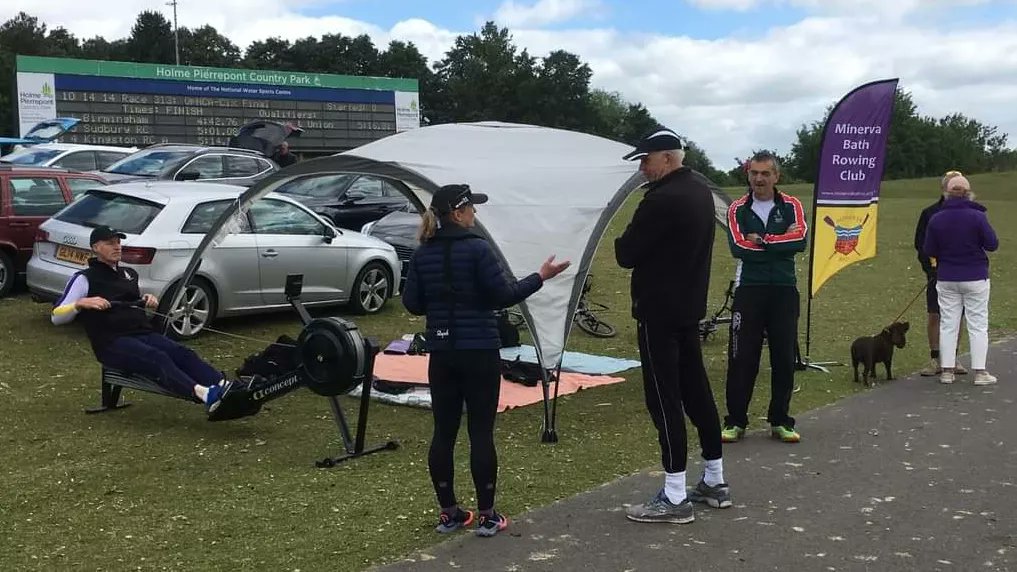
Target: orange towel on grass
x: 413, y: 370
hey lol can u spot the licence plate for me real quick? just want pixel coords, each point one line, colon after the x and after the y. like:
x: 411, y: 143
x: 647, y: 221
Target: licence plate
x: 70, y: 254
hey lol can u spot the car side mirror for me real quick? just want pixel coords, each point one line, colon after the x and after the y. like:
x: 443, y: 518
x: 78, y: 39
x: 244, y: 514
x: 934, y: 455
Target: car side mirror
x: 329, y: 234
x: 188, y: 176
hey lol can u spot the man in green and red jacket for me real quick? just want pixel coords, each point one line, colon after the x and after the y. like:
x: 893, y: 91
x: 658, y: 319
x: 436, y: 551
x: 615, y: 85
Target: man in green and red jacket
x: 766, y: 229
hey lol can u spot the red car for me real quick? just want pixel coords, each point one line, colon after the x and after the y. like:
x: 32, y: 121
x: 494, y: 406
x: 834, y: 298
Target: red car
x: 29, y: 196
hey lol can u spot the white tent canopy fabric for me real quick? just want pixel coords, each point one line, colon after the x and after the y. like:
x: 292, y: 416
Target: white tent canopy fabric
x: 550, y: 192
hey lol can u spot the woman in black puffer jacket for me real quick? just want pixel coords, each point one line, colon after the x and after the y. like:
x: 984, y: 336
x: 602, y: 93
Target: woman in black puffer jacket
x: 456, y: 280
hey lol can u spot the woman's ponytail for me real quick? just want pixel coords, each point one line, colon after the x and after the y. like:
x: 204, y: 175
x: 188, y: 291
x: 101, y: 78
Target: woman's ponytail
x: 428, y: 225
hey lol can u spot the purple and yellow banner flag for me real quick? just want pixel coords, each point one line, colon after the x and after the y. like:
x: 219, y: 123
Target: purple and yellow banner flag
x: 851, y: 160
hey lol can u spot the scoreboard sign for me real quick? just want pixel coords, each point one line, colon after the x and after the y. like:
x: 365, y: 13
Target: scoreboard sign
x: 127, y: 104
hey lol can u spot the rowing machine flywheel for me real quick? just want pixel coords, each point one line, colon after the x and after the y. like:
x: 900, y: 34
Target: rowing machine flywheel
x: 332, y: 356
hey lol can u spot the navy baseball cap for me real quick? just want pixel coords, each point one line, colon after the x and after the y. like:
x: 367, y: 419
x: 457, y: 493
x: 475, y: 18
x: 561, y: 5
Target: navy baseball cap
x: 104, y: 233
x: 660, y: 139
x: 452, y: 197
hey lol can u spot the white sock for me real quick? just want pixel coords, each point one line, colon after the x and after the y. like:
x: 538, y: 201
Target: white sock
x: 713, y: 474
x: 201, y: 392
x: 674, y: 487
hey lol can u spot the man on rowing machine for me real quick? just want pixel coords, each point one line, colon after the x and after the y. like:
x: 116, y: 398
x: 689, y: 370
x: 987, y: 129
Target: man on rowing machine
x: 121, y: 334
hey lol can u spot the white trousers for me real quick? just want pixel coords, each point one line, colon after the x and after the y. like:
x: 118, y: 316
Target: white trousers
x: 971, y: 299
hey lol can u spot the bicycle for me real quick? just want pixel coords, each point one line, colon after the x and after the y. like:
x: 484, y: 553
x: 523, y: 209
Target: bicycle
x: 584, y: 316
x: 709, y: 326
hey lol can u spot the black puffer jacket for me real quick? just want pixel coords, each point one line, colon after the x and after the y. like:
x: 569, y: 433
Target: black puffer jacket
x: 920, y: 228
x: 460, y: 312
x: 669, y: 247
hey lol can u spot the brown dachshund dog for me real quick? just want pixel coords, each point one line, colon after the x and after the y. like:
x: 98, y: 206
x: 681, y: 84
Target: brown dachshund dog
x: 870, y: 350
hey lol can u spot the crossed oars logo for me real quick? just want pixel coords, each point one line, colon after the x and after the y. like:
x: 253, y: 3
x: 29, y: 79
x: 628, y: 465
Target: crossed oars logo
x: 847, y: 237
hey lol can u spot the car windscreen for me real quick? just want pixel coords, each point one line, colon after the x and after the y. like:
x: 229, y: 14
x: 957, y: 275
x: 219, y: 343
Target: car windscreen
x: 124, y: 213
x: 30, y: 156
x: 148, y: 163
x: 317, y: 187
x: 47, y: 132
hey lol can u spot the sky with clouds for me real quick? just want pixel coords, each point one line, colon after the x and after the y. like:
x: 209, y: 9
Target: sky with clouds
x: 732, y: 75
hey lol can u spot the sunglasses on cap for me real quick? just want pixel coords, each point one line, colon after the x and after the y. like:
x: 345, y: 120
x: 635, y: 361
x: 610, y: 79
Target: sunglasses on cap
x: 460, y: 201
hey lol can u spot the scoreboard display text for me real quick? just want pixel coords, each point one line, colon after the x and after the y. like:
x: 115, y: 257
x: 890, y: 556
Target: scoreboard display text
x: 138, y: 119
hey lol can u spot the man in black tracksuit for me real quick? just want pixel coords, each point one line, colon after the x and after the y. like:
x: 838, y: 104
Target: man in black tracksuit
x: 669, y: 245
x: 766, y: 229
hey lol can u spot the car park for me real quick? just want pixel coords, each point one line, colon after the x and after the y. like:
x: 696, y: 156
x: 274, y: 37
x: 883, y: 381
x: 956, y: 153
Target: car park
x: 244, y: 273
x: 28, y: 196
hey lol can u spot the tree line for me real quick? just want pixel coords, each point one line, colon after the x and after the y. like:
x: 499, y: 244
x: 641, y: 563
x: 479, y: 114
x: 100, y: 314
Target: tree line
x: 919, y: 146
x: 485, y: 76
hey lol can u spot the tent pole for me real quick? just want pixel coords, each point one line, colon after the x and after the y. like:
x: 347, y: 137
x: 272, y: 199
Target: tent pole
x: 550, y: 433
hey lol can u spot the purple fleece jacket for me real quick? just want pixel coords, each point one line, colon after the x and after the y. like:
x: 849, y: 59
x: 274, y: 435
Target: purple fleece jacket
x: 958, y: 237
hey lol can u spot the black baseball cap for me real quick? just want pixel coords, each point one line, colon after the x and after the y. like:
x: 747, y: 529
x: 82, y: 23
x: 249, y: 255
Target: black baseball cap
x: 104, y: 233
x: 452, y: 197
x: 660, y: 139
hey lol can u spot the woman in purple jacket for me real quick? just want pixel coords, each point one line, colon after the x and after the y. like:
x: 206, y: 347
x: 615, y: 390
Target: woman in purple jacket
x: 958, y: 237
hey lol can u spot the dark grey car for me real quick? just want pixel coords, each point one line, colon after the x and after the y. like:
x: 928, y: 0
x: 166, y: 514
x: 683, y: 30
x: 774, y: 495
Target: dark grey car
x: 350, y: 200
x: 398, y: 228
x: 175, y: 162
x: 243, y: 163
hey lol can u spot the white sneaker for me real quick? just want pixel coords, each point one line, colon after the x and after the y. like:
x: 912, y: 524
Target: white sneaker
x: 984, y: 378
x: 946, y: 377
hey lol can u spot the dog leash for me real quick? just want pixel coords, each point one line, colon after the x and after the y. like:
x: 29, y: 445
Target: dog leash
x: 913, y: 300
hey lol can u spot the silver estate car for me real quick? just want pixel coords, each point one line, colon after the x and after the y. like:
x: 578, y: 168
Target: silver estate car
x: 244, y: 273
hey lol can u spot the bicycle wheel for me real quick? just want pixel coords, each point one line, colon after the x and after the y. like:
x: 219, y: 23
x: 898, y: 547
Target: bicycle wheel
x: 594, y: 326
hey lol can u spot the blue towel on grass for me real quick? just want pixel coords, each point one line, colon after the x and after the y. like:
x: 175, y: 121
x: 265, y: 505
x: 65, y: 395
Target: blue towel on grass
x: 576, y: 362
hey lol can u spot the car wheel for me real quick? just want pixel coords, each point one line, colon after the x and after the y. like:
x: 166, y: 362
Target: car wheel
x: 7, y: 274
x: 193, y: 314
x: 372, y: 288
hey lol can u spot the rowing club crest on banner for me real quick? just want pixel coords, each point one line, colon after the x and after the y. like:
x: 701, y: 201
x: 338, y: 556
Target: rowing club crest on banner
x: 849, y: 231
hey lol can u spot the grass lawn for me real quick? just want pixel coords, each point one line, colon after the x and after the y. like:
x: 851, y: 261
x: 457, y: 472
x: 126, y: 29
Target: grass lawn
x: 156, y: 486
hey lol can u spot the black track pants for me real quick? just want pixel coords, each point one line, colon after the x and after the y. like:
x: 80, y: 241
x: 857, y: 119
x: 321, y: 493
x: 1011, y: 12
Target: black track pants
x: 674, y: 380
x: 758, y: 309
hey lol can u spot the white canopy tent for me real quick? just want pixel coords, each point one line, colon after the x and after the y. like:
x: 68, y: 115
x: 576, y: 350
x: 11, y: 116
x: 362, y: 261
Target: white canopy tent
x: 550, y: 192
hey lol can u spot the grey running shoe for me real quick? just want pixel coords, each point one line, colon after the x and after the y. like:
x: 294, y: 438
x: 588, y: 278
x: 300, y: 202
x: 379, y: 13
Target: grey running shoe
x: 451, y: 522
x: 718, y: 496
x: 660, y: 509
x: 488, y: 526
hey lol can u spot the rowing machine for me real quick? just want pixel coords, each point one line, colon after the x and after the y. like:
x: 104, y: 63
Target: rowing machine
x: 330, y: 358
